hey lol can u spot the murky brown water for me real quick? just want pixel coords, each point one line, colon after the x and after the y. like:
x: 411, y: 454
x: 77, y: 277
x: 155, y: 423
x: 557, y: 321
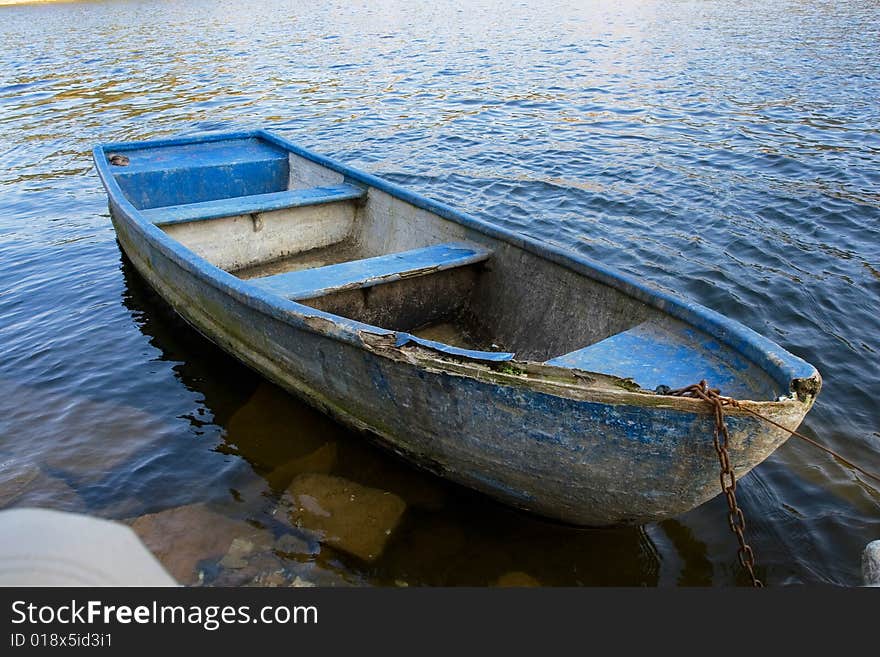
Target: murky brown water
x: 730, y: 156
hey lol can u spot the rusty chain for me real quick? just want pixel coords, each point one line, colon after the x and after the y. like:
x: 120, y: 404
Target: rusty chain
x: 735, y: 517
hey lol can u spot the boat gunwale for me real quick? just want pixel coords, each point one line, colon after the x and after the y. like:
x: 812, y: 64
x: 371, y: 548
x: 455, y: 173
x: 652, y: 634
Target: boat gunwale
x: 784, y: 367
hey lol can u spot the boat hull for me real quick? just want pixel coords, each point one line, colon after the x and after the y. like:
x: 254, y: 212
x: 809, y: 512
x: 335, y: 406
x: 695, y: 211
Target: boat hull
x: 585, y: 461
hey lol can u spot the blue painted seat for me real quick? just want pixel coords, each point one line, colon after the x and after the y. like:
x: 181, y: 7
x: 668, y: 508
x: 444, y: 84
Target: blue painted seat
x: 181, y: 173
x: 317, y: 282
x: 667, y: 352
x: 229, y: 207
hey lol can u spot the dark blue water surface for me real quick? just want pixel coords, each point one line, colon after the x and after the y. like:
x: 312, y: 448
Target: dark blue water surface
x: 729, y: 151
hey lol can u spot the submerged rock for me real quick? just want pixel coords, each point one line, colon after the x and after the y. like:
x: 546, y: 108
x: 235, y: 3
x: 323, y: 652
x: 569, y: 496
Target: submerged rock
x: 15, y: 478
x: 373, y: 467
x: 272, y: 579
x: 321, y: 461
x: 322, y: 574
x: 517, y: 578
x: 299, y: 582
x: 258, y: 567
x: 345, y: 515
x: 183, y: 536
x: 73, y: 435
x: 272, y: 428
x: 238, y: 553
x: 25, y: 484
x: 294, y: 544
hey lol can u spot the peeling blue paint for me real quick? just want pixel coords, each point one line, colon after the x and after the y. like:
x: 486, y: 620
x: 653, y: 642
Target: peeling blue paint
x: 654, y: 354
x: 404, y: 339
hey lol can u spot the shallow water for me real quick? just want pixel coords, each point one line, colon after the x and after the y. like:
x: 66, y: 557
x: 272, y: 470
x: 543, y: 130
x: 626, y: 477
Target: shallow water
x: 727, y: 151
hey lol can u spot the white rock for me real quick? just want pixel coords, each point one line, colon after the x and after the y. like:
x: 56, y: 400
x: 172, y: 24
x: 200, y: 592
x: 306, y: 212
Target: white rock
x: 39, y: 547
x: 871, y: 564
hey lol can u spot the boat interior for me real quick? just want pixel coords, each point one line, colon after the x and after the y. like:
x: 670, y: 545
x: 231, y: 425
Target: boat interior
x: 307, y: 232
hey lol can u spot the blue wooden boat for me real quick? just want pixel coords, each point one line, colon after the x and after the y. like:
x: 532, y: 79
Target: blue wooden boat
x: 502, y: 363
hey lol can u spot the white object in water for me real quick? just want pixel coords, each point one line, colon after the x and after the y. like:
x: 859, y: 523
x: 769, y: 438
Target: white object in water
x: 871, y: 564
x: 39, y: 547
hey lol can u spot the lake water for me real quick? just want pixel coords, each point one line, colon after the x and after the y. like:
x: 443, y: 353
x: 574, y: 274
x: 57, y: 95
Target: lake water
x: 728, y: 151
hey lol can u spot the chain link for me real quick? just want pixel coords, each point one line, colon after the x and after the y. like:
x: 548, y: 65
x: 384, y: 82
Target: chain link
x: 721, y: 438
